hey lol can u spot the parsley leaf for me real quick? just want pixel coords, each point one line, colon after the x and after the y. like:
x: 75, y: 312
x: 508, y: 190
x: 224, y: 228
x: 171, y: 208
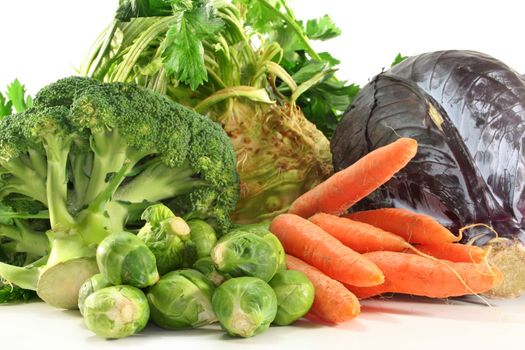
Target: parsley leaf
x: 322, y: 28
x: 183, y: 51
x: 16, y: 93
x: 399, y: 58
x: 5, y: 106
x: 129, y: 9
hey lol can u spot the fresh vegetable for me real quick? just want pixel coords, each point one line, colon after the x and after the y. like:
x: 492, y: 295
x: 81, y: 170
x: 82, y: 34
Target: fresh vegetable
x: 182, y: 299
x: 91, y: 157
x: 358, y: 236
x: 245, y: 306
x: 263, y: 229
x: 295, y: 296
x: 208, y: 269
x: 248, y: 65
x: 167, y: 236
x: 465, y: 110
x: 241, y: 253
x: 123, y: 258
x: 310, y: 243
x: 19, y: 244
x: 116, y: 312
x: 414, y: 227
x: 204, y: 237
x: 455, y: 252
x: 96, y: 282
x: 332, y: 302
x: 348, y: 186
x: 418, y: 275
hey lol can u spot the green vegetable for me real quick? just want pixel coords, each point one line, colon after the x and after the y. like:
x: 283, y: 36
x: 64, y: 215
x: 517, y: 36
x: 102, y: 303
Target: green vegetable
x: 204, y: 237
x: 248, y: 65
x: 207, y: 268
x: 96, y: 282
x: 295, y: 296
x: 263, y: 230
x: 167, y: 235
x: 182, y: 299
x: 123, y: 258
x: 245, y: 306
x: 242, y: 253
x: 86, y: 160
x: 116, y: 312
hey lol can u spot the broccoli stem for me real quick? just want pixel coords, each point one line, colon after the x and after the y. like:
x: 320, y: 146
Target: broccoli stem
x: 24, y: 277
x: 158, y: 182
x: 24, y: 180
x: 27, y: 240
x: 38, y: 162
x: 79, y: 177
x: 57, y: 150
x: 109, y: 151
x: 65, y: 246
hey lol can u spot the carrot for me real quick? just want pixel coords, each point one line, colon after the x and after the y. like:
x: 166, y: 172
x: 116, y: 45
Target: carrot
x: 348, y: 186
x: 361, y: 237
x: 413, y: 227
x: 307, y: 241
x: 454, y: 252
x: 332, y: 301
x: 417, y: 275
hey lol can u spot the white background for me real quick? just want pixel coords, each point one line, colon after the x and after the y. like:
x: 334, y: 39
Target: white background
x: 41, y: 41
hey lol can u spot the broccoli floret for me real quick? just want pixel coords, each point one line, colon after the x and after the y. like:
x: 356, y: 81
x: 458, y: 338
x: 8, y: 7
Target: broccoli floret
x: 90, y: 157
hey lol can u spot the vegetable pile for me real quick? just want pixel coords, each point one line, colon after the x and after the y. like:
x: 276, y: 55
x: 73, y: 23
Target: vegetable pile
x: 86, y: 160
x: 467, y: 112
x: 370, y: 253
x: 186, y: 179
x: 179, y: 275
x: 248, y: 65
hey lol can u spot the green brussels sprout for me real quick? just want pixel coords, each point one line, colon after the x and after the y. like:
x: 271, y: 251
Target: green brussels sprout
x: 116, y: 312
x: 208, y: 269
x: 167, y: 236
x: 263, y: 230
x: 242, y: 253
x: 204, y: 237
x: 182, y: 299
x: 295, y: 296
x: 96, y: 282
x: 123, y: 258
x: 245, y: 306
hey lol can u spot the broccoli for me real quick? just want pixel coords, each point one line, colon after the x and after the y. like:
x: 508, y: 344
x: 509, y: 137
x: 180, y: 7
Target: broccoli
x: 86, y: 159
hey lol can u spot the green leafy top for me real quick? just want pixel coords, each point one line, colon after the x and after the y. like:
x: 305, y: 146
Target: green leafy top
x: 16, y: 98
x: 200, y: 52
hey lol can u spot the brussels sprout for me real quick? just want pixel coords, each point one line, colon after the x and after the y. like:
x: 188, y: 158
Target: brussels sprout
x: 167, y: 236
x: 96, y: 282
x: 208, y: 269
x: 245, y: 306
x: 124, y: 259
x: 295, y: 296
x: 204, y: 237
x: 242, y: 253
x: 116, y: 312
x: 182, y: 299
x: 263, y: 230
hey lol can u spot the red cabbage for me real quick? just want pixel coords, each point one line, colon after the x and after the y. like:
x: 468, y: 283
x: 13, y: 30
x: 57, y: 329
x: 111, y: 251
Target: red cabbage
x: 467, y: 111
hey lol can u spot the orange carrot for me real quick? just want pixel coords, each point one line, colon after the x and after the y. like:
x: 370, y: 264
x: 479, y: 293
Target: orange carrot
x: 310, y: 243
x: 417, y: 275
x: 332, y: 302
x: 350, y: 185
x: 454, y: 252
x: 361, y: 237
x: 413, y: 227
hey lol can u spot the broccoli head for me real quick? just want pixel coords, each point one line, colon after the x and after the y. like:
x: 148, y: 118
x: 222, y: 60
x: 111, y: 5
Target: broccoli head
x: 87, y: 159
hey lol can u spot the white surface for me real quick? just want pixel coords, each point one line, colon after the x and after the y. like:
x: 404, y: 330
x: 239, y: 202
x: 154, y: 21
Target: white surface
x: 402, y: 323
x: 42, y: 41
